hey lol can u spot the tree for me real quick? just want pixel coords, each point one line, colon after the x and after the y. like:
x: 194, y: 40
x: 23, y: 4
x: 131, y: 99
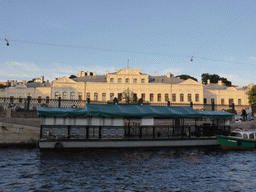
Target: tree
x: 185, y: 77
x: 252, y: 95
x: 214, y: 79
x: 72, y: 76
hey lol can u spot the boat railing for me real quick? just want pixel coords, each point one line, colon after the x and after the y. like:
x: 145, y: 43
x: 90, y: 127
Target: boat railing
x: 131, y: 132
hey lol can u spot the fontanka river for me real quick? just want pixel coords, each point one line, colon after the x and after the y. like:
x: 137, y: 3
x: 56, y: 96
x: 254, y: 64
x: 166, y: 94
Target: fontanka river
x: 181, y: 169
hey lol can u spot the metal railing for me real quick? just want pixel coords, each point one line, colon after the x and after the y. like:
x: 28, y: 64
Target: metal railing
x: 56, y: 132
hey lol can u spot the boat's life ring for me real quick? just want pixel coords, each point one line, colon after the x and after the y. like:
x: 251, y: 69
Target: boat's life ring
x: 58, y: 146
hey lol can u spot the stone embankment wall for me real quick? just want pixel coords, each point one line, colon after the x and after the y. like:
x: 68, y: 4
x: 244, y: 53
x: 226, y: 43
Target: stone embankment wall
x: 19, y: 131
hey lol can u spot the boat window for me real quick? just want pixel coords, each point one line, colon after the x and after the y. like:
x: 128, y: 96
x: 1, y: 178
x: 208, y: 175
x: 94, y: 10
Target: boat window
x: 236, y: 134
x: 245, y: 136
x: 251, y: 136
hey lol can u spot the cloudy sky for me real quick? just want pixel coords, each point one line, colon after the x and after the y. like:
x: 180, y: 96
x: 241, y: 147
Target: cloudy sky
x: 59, y: 38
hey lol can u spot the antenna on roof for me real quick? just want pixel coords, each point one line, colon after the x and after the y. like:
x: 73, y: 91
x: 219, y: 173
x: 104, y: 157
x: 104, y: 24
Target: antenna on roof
x: 128, y: 63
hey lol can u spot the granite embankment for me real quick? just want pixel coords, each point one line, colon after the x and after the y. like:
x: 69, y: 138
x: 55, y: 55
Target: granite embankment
x: 19, y: 132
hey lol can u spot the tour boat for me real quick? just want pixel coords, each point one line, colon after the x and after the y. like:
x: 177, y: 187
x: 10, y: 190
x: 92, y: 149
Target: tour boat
x: 241, y: 139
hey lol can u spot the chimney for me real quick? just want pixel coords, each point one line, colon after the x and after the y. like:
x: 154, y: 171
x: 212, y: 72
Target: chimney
x: 88, y: 73
x: 24, y: 82
x: 141, y: 71
x: 12, y: 83
x: 107, y: 72
x: 208, y: 81
x: 94, y: 74
x: 80, y: 74
x: 116, y: 70
x: 42, y: 79
x: 47, y: 81
x: 155, y: 73
x: 168, y: 74
x: 219, y: 82
x: 138, y: 69
x: 201, y: 82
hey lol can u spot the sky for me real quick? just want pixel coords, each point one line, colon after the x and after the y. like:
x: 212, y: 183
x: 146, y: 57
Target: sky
x: 60, y: 38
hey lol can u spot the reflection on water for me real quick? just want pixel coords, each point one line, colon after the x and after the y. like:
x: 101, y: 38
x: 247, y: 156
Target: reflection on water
x: 182, y: 169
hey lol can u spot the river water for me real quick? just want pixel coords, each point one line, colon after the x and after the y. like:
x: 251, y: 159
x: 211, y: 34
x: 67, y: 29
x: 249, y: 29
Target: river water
x: 182, y: 169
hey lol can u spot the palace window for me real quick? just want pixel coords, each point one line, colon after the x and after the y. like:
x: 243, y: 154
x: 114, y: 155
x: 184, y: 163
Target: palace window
x: 119, y: 96
x: 20, y: 99
x: 230, y: 101
x: 119, y: 80
x: 39, y: 99
x: 64, y: 95
x: 127, y: 80
x: 80, y: 95
x: 95, y: 96
x: 135, y: 97
x: 111, y: 96
x: 134, y: 80
x: 159, y: 97
x: 47, y: 99
x: 222, y: 102
x: 174, y: 97
x: 142, y: 80
x: 72, y: 95
x: 181, y: 97
x: 111, y: 80
x: 57, y: 95
x: 205, y: 101
x: 239, y: 102
x: 166, y: 97
x: 189, y: 98
x: 197, y: 97
x: 143, y: 96
x: 104, y: 97
x: 151, y: 97
x: 88, y: 96
x: 212, y: 100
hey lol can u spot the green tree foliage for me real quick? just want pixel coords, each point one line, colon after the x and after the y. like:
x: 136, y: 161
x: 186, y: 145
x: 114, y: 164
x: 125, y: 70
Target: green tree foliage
x: 214, y: 79
x: 185, y: 77
x: 72, y: 76
x: 252, y: 95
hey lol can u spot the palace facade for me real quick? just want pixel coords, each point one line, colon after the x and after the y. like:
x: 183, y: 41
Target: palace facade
x: 133, y: 84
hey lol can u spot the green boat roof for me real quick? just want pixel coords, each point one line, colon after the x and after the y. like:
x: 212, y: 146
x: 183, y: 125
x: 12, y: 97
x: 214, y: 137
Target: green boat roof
x: 113, y: 110
x: 216, y: 115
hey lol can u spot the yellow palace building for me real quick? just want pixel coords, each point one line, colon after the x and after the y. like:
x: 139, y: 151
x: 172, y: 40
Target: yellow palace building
x: 133, y: 84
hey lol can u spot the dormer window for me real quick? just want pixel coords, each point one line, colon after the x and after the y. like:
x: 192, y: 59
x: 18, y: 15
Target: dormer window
x: 127, y: 80
x: 134, y: 80
x: 112, y: 80
x: 163, y: 80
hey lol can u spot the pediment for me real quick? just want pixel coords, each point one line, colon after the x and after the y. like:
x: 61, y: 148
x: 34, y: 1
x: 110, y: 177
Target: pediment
x: 129, y: 71
x: 231, y: 89
x: 190, y: 82
x: 64, y: 80
x: 21, y: 86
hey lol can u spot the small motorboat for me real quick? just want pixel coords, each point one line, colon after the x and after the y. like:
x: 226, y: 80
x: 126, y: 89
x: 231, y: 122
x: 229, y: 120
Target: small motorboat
x: 241, y: 139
